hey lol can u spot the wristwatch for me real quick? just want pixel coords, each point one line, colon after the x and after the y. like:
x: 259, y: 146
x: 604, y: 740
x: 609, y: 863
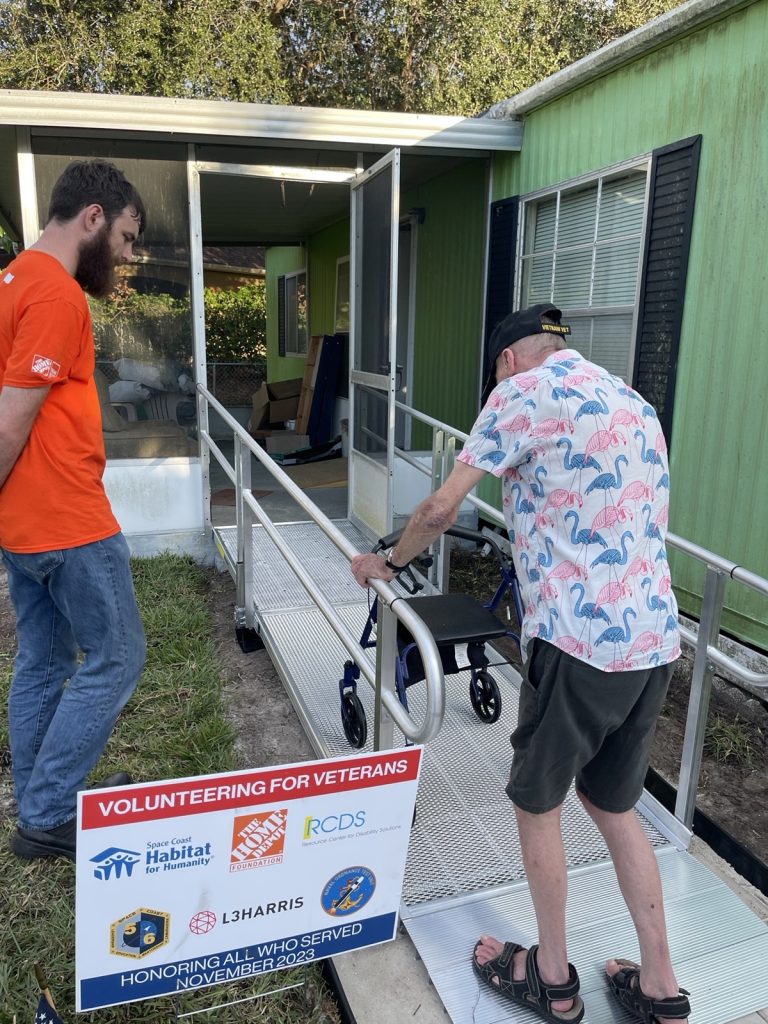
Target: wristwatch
x: 396, y: 569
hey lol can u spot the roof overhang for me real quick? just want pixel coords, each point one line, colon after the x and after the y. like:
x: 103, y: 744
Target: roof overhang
x: 191, y: 120
x: 680, y: 21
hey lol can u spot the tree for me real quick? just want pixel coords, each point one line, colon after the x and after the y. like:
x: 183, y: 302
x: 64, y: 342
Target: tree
x: 225, y: 49
x: 437, y: 56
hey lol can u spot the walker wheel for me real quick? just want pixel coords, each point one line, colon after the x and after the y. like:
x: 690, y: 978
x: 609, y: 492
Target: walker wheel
x: 485, y: 697
x: 353, y: 720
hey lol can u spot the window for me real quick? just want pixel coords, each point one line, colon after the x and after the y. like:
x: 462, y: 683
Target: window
x: 341, y: 314
x: 581, y: 248
x: 292, y: 313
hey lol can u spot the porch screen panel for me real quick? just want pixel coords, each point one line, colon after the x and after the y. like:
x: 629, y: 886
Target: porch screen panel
x: 375, y: 199
x: 143, y: 333
x: 374, y: 241
x: 581, y: 251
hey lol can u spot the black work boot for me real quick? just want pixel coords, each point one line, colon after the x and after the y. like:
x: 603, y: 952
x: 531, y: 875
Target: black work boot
x: 50, y: 842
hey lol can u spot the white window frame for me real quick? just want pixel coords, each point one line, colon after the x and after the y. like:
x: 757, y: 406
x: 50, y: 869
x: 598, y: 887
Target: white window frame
x: 642, y: 162
x: 341, y: 325
x: 295, y: 347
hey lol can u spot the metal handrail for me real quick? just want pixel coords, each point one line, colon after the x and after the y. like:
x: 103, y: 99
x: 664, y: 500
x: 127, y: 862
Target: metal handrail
x: 388, y: 596
x: 704, y: 642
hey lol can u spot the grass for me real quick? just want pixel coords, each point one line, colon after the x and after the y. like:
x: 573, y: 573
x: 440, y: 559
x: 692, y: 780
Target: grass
x: 729, y: 740
x: 175, y: 725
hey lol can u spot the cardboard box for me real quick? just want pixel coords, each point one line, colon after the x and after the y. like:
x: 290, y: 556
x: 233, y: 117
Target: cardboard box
x: 274, y: 403
x: 283, y: 442
x: 285, y: 388
x: 260, y: 413
x: 283, y: 409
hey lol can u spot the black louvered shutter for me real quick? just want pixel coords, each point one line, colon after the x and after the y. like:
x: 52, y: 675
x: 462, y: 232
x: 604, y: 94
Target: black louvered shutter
x: 501, y: 265
x: 281, y: 316
x: 674, y: 170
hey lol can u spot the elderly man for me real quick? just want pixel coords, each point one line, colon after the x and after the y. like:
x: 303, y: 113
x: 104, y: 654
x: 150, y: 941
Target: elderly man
x: 582, y: 460
x: 67, y: 562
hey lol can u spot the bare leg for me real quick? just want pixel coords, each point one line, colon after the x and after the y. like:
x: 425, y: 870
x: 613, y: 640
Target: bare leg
x: 544, y: 860
x: 640, y: 884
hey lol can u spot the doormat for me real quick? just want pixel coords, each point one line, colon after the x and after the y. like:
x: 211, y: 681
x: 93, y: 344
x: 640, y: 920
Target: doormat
x: 227, y: 496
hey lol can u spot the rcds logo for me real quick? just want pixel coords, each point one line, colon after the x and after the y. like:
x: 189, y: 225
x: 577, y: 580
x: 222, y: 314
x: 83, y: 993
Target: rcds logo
x: 314, y: 828
x: 139, y: 933
x: 258, y: 839
x: 348, y: 891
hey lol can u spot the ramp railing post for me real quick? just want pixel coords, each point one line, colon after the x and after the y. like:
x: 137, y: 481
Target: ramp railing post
x: 386, y: 654
x: 241, y: 577
x: 701, y: 689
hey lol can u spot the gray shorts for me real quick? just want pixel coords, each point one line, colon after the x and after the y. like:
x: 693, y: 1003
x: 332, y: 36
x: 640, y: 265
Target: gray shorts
x: 576, y: 722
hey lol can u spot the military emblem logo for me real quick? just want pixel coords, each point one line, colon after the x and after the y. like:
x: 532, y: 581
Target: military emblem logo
x: 139, y: 933
x: 348, y: 891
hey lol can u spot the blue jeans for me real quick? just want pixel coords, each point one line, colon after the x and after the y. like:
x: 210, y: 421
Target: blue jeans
x: 74, y: 600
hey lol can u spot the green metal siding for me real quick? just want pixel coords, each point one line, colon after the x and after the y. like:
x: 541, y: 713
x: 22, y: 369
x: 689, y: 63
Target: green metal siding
x: 449, y: 295
x: 325, y: 248
x: 712, y: 83
x: 281, y: 260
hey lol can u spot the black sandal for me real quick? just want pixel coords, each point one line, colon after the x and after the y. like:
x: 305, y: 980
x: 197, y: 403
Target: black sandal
x: 531, y: 992
x: 625, y: 985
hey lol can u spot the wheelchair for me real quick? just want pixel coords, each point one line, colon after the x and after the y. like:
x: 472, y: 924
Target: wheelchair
x: 453, y: 619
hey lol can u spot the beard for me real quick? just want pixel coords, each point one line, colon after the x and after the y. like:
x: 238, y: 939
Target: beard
x: 96, y: 266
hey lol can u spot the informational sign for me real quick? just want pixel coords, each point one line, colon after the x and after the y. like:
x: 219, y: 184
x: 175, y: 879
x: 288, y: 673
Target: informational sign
x: 203, y: 881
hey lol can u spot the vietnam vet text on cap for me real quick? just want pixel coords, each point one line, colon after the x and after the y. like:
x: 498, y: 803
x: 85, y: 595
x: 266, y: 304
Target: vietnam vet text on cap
x: 520, y: 324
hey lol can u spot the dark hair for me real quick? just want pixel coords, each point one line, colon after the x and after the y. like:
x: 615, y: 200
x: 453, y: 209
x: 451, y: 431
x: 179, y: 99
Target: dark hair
x: 94, y: 181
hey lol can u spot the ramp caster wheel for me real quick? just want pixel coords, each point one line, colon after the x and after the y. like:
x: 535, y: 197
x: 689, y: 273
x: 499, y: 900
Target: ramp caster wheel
x: 485, y: 697
x: 353, y: 720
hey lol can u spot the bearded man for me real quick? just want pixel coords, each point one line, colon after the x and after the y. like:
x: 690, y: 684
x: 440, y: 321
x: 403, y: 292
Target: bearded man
x: 67, y: 561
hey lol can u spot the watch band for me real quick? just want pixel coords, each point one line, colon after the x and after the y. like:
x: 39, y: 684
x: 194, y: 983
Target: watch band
x: 395, y: 568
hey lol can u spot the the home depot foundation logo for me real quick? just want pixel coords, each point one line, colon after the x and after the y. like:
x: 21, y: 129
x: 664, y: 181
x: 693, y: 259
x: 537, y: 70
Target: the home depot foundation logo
x: 258, y: 839
x: 45, y: 367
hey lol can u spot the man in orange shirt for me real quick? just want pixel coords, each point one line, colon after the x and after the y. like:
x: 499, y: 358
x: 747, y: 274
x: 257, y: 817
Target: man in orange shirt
x: 67, y: 562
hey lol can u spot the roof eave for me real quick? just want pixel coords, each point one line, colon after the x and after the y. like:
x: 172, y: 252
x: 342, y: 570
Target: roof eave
x: 192, y: 119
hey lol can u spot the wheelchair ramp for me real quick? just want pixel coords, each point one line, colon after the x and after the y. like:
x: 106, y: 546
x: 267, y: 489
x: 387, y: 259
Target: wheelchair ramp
x: 464, y: 874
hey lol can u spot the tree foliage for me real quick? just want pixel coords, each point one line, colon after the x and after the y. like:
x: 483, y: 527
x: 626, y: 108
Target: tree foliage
x: 439, y: 56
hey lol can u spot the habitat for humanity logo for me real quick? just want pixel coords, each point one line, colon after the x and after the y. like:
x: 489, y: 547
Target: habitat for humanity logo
x: 258, y: 839
x: 114, y: 862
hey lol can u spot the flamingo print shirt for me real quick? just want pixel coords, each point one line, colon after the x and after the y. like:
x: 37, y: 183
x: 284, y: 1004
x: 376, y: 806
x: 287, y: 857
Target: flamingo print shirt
x: 585, y: 481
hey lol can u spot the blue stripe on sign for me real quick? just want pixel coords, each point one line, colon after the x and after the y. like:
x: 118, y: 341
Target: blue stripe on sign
x: 138, y: 981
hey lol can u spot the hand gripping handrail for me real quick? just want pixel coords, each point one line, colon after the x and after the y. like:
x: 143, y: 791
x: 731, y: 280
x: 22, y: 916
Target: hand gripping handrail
x: 388, y: 596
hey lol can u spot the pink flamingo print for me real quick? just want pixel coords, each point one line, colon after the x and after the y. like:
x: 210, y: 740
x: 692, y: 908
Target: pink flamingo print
x: 603, y: 439
x: 609, y: 515
x: 548, y: 591
x: 620, y: 665
x: 526, y: 382
x: 541, y: 521
x: 665, y: 585
x: 571, y: 645
x: 560, y: 497
x: 520, y: 423
x: 612, y: 593
x: 497, y: 401
x: 567, y: 570
x: 635, y: 491
x: 551, y: 426
x: 637, y: 566
x: 625, y: 418
x: 660, y: 444
x: 662, y: 519
x: 646, y: 641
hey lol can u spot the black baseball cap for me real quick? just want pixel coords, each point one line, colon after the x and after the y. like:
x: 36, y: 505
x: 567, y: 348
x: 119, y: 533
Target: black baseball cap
x: 517, y: 325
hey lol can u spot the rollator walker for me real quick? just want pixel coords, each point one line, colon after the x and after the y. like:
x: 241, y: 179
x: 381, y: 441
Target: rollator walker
x: 454, y: 620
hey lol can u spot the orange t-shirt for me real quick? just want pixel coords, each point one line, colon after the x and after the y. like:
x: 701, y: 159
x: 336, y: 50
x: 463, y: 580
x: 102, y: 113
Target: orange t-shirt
x: 54, y: 496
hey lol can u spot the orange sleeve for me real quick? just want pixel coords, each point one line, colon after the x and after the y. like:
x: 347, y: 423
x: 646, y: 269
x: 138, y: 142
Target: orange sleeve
x: 45, y: 345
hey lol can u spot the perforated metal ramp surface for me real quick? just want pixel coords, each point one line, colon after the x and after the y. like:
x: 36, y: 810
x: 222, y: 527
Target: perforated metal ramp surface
x: 464, y: 874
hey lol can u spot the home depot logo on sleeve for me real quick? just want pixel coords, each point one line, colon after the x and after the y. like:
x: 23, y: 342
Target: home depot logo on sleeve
x: 45, y: 367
